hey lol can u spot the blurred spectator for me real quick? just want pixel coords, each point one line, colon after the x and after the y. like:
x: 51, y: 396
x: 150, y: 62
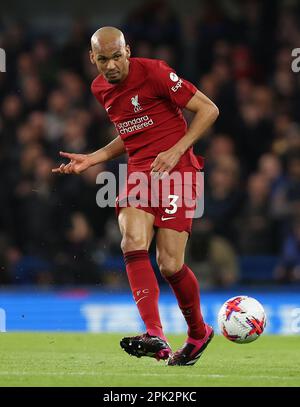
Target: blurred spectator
x: 72, y: 50
x: 287, y: 142
x: 45, y: 60
x: 30, y: 269
x: 289, y: 267
x: 156, y: 24
x: 255, y: 226
x: 74, y: 137
x: 223, y: 197
x: 254, y: 126
x: 5, y: 272
x: 212, y: 26
x: 270, y: 166
x: 38, y: 219
x: 217, y: 146
x: 72, y: 84
x: 212, y: 258
x: 286, y: 202
x: 10, y: 118
x: 220, y: 145
x: 75, y: 264
x: 58, y: 109
x: 33, y: 94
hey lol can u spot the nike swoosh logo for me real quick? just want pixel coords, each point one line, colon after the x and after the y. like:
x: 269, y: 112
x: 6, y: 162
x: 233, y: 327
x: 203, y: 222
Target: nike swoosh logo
x: 172, y: 217
x: 108, y: 108
x: 140, y: 299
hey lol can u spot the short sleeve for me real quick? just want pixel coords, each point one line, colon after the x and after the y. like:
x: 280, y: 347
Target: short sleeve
x: 168, y: 85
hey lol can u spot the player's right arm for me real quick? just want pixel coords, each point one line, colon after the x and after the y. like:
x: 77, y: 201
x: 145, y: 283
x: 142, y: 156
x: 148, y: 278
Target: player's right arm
x: 81, y: 162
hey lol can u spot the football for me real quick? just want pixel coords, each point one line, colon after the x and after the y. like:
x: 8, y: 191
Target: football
x: 242, y: 319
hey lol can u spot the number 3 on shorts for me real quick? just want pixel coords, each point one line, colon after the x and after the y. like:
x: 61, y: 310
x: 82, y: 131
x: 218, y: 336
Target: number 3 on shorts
x: 173, y: 199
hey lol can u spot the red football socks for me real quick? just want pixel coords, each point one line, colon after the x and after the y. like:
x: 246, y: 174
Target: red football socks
x: 186, y: 288
x: 145, y: 289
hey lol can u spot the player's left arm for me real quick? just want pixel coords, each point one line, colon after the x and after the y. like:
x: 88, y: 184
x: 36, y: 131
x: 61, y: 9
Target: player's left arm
x: 206, y: 112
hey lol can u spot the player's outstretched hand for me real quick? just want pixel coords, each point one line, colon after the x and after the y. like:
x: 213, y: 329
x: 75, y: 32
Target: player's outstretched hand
x: 78, y: 163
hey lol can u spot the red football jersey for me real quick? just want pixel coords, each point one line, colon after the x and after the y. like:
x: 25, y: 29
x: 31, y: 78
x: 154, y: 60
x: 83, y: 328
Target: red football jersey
x: 146, y: 109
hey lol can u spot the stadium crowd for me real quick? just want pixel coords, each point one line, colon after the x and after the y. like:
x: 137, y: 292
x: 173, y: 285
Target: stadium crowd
x: 52, y: 231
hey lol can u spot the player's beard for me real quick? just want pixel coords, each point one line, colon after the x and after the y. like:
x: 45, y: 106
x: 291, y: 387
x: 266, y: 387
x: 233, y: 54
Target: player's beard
x: 113, y: 81
x: 115, y: 78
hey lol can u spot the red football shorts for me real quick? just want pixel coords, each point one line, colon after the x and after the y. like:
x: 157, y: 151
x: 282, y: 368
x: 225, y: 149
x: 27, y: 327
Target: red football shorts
x: 172, y: 200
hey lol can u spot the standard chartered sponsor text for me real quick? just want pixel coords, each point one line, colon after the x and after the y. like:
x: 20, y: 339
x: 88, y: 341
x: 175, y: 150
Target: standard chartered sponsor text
x: 138, y: 123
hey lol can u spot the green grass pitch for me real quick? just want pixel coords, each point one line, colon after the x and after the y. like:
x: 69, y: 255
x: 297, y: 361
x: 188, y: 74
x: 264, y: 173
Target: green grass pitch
x: 72, y: 359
